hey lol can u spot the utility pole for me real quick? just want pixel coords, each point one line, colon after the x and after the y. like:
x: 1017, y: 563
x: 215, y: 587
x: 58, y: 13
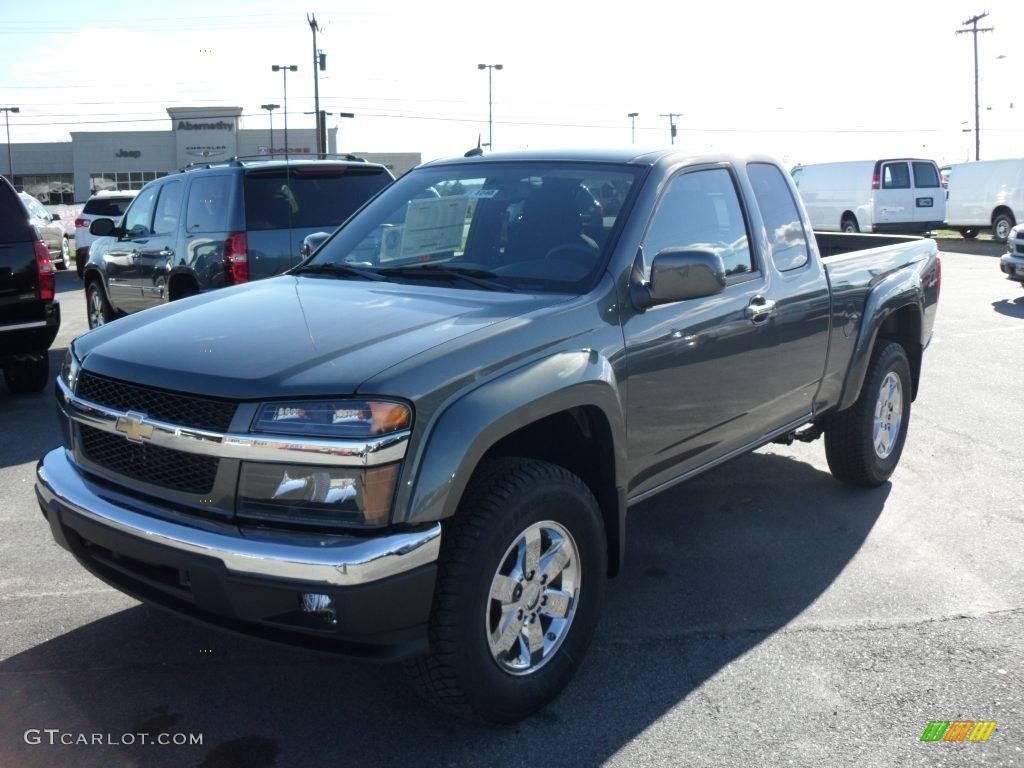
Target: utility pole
x: 490, y: 100
x: 319, y: 63
x: 971, y: 27
x: 632, y: 119
x: 7, y: 122
x: 671, y: 123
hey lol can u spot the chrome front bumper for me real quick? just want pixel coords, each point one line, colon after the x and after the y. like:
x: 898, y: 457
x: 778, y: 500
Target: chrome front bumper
x: 335, y: 561
x: 1012, y: 266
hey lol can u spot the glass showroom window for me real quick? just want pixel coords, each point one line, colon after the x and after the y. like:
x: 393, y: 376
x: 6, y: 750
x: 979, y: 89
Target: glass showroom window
x: 121, y: 180
x: 47, y: 188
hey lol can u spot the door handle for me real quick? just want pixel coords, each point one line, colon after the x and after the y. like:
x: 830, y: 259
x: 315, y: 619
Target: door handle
x: 166, y: 253
x: 759, y: 309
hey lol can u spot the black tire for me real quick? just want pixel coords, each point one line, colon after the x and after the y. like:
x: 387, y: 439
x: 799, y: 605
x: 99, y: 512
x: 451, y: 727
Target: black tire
x: 97, y: 309
x: 968, y: 233
x: 849, y: 434
x: 1002, y: 223
x: 849, y: 224
x: 65, y: 254
x: 504, y: 498
x: 29, y: 374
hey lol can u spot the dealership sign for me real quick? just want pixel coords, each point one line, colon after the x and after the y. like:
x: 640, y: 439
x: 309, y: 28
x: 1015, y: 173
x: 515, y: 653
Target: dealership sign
x: 128, y: 153
x: 220, y: 125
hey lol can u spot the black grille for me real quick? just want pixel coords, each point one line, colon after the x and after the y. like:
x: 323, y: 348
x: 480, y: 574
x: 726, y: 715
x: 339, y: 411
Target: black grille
x: 152, y: 464
x: 183, y: 410
x: 1020, y: 247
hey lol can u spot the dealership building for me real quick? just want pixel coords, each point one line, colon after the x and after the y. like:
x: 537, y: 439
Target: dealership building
x: 66, y: 172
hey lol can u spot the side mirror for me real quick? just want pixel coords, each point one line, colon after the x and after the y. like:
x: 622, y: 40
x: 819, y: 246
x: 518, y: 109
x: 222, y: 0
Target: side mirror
x: 311, y: 242
x: 678, y: 274
x: 54, y: 217
x: 102, y: 227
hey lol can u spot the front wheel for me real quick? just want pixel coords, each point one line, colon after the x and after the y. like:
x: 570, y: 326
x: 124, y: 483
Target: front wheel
x: 97, y: 305
x: 29, y: 374
x: 65, y: 254
x: 849, y: 225
x: 520, y: 586
x: 863, y: 444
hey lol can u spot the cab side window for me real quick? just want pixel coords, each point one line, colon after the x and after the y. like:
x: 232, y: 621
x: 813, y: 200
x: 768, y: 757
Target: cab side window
x: 701, y: 210
x: 168, y: 208
x: 781, y: 217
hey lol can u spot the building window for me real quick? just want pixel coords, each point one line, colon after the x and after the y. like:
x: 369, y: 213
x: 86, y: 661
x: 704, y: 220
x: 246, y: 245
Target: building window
x: 121, y: 180
x: 47, y: 188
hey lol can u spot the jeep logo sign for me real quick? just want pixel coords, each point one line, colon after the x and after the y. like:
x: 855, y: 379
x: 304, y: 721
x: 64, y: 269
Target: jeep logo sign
x: 128, y: 153
x: 220, y: 125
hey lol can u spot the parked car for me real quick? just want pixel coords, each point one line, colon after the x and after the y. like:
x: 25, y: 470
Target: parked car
x: 1012, y: 262
x: 50, y: 229
x: 106, y: 204
x: 986, y: 195
x: 29, y: 311
x: 896, y: 195
x: 217, y: 225
x: 423, y: 444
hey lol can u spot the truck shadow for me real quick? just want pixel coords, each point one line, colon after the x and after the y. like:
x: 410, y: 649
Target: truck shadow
x: 713, y: 568
x: 1014, y: 308
x: 30, y: 426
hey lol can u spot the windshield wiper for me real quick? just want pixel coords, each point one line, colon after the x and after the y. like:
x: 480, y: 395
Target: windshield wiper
x: 330, y: 268
x: 478, y: 277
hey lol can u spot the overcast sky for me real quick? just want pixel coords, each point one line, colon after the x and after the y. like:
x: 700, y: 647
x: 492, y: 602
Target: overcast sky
x: 806, y: 82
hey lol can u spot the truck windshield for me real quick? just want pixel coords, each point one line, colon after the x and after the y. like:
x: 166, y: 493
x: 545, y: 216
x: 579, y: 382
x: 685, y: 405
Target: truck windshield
x: 543, y: 226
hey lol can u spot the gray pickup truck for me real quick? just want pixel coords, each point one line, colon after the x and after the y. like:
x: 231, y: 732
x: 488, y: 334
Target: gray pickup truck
x: 422, y: 442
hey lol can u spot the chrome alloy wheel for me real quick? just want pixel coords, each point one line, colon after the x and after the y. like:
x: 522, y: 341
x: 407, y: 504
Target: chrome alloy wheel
x: 533, y: 598
x: 95, y: 308
x: 888, y: 415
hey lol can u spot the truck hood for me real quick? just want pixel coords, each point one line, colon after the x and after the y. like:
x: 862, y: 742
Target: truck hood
x: 291, y: 335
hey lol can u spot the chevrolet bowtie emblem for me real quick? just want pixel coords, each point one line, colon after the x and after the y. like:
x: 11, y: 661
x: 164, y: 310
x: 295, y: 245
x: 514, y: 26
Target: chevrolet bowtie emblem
x: 134, y: 426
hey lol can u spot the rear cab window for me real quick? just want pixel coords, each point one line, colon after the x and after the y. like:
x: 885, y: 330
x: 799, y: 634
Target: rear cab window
x: 308, y: 196
x: 107, y: 207
x: 780, y: 214
x: 926, y: 176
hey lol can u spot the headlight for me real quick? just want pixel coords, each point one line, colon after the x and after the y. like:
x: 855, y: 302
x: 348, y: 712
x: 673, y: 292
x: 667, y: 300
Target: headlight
x: 324, y: 497
x: 69, y: 368
x: 342, y: 418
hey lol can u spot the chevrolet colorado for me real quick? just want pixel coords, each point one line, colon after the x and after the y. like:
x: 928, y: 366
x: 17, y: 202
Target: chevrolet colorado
x: 422, y: 442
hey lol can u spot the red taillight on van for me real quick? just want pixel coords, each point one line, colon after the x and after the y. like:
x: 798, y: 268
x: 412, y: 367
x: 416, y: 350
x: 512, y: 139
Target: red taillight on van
x: 876, y: 179
x: 236, y: 259
x: 81, y: 224
x: 45, y: 271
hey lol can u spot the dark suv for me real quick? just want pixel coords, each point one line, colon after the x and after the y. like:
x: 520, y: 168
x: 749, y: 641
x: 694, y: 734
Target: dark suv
x: 29, y: 312
x: 219, y: 224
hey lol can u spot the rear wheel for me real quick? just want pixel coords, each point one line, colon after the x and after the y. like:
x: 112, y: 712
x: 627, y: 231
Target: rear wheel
x: 97, y: 306
x: 28, y: 374
x: 1001, y: 226
x: 849, y: 224
x: 863, y: 444
x: 968, y: 233
x: 520, y: 586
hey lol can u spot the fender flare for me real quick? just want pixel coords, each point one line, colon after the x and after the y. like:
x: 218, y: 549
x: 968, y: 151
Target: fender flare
x: 893, y: 293
x: 463, y: 432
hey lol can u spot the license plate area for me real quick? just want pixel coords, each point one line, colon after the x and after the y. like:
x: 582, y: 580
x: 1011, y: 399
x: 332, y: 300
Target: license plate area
x: 925, y: 202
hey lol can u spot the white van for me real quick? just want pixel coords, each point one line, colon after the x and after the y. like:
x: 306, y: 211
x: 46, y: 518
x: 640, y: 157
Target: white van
x: 894, y: 195
x: 986, y: 194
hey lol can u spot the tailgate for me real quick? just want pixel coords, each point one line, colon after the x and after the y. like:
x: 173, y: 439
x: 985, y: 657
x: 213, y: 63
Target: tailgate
x: 19, y: 277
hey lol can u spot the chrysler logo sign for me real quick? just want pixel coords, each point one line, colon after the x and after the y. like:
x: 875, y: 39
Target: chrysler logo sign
x: 133, y: 425
x: 220, y: 125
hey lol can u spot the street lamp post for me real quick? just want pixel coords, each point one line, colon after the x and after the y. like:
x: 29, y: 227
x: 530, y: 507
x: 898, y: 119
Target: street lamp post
x: 270, y: 113
x: 10, y: 157
x: 632, y: 120
x: 284, y: 69
x: 490, y: 100
x: 321, y: 121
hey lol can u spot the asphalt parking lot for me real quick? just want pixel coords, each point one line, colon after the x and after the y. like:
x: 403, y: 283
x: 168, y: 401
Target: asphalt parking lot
x: 766, y: 615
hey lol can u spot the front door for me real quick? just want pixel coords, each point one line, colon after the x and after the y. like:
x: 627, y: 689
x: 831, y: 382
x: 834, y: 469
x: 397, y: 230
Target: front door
x: 894, y: 200
x: 693, y: 393
x: 156, y: 256
x: 121, y: 260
